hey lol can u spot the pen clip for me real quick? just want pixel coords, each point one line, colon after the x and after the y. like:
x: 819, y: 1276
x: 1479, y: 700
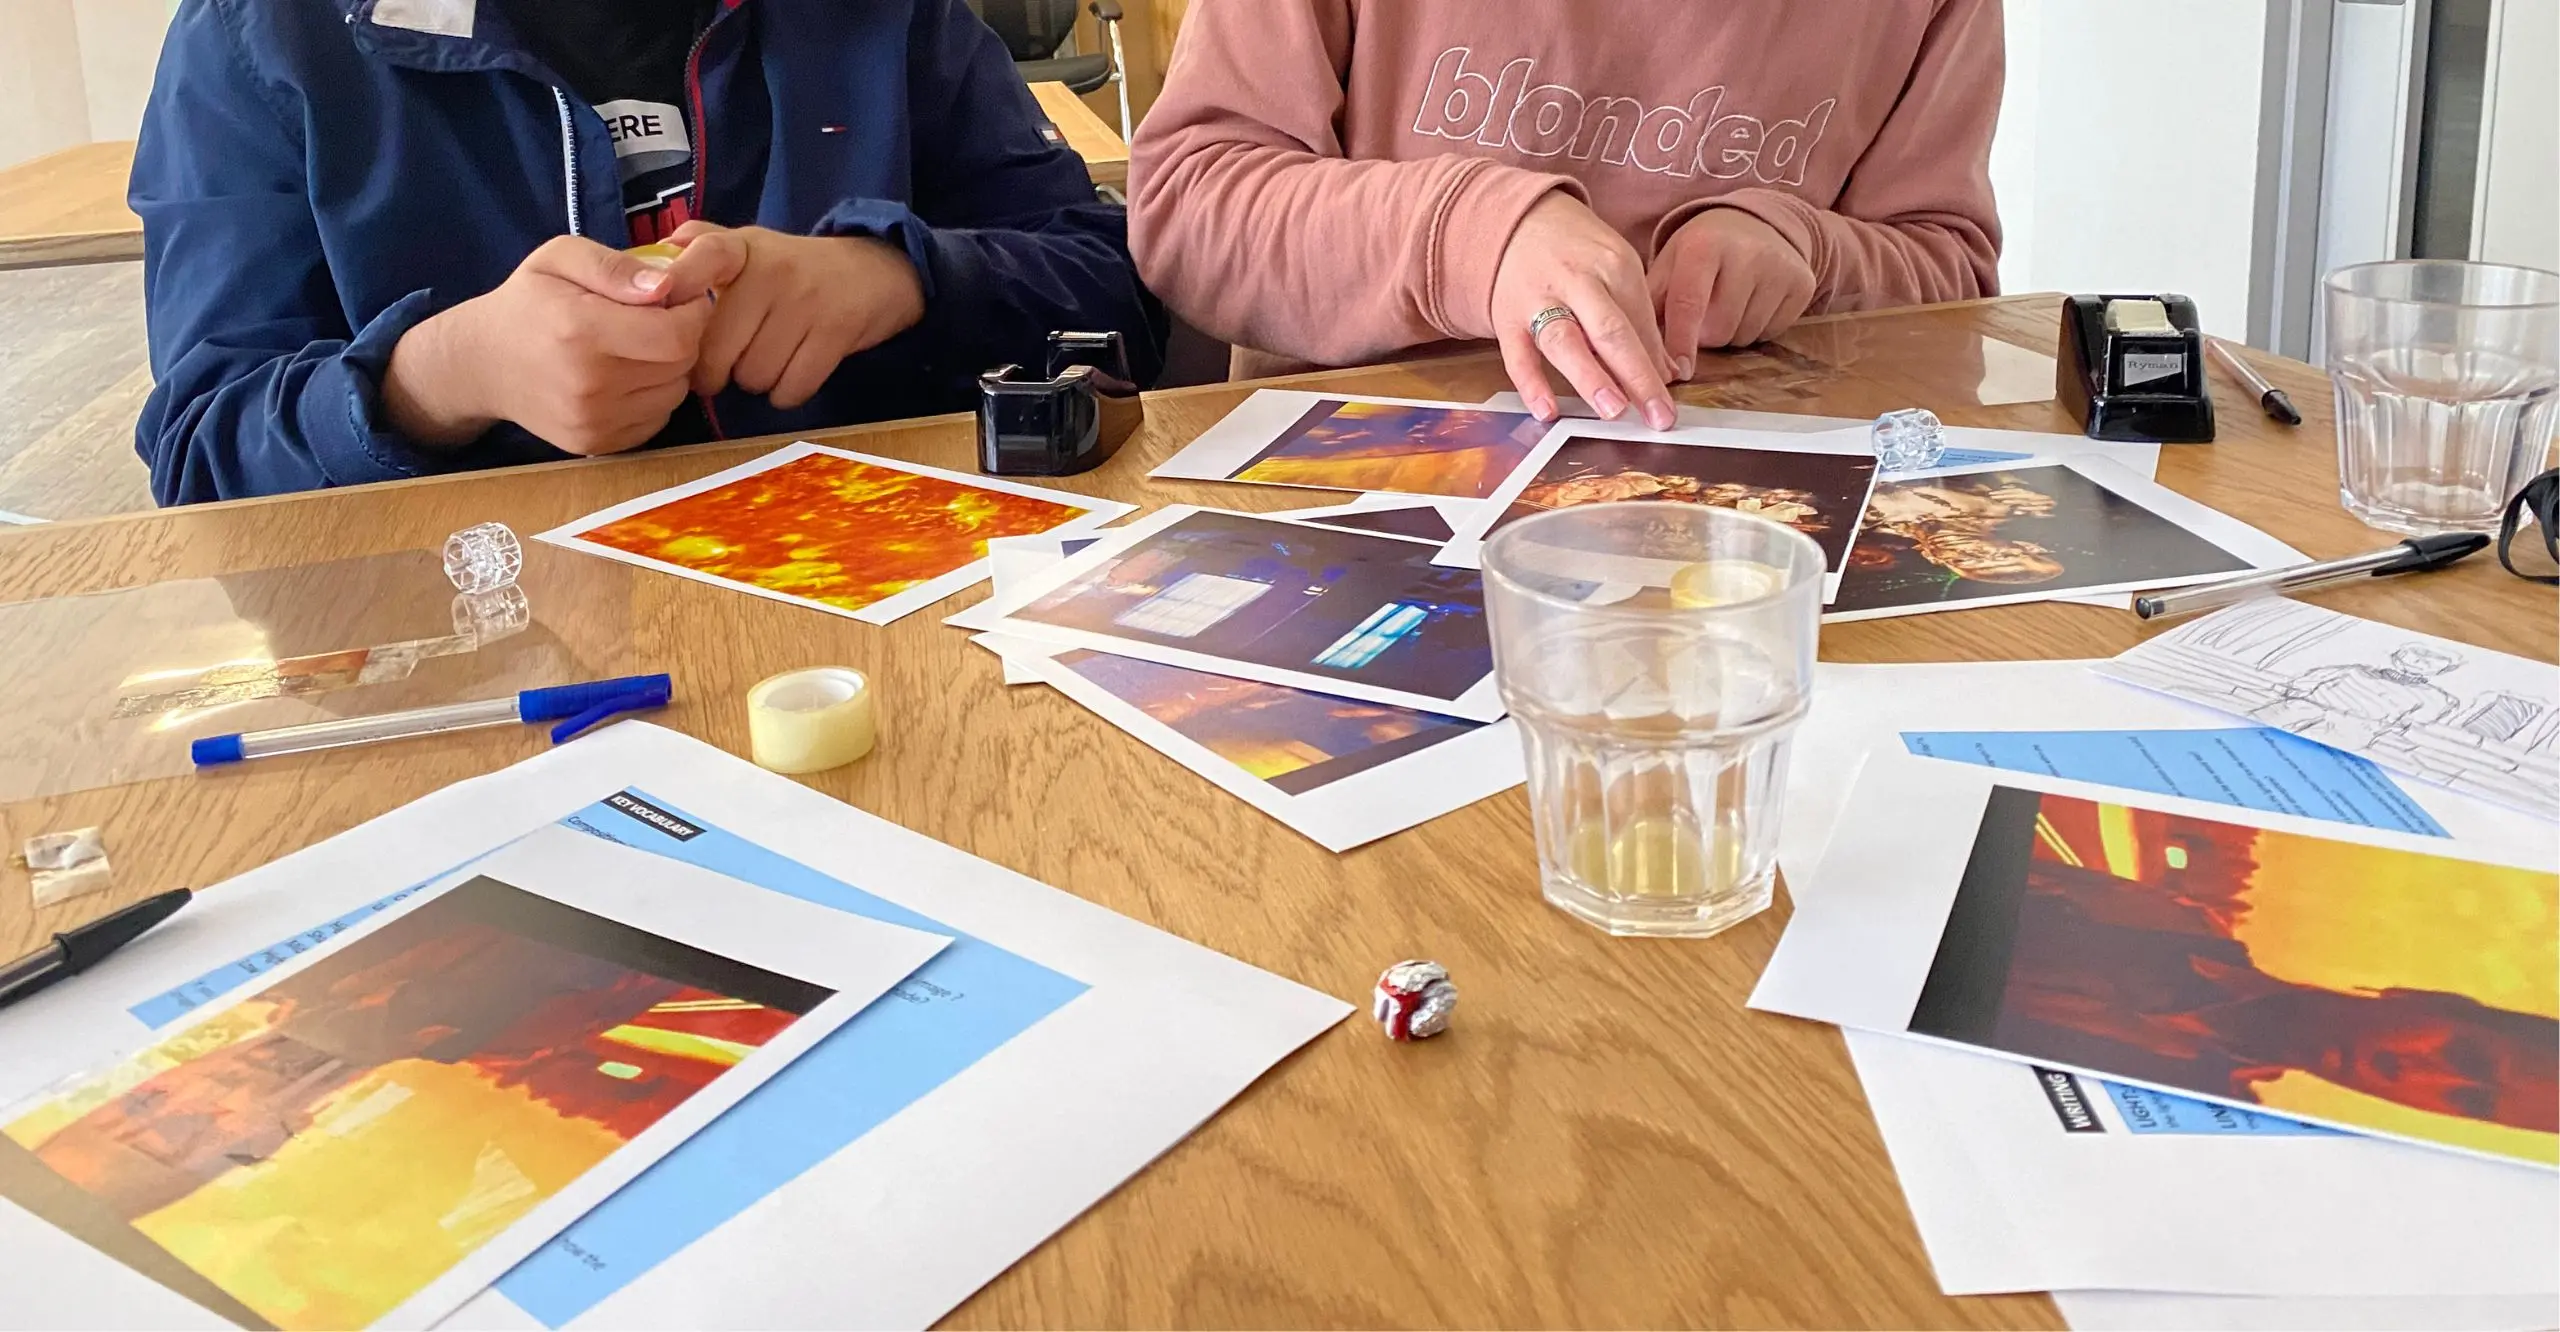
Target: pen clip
x: 639, y: 700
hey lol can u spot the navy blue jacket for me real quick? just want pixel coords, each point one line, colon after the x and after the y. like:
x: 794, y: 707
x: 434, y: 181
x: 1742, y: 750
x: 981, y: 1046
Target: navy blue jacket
x: 314, y: 178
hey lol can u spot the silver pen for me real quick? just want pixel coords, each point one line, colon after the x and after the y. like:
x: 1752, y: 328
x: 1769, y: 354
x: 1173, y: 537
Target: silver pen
x: 2411, y: 556
x: 2271, y: 400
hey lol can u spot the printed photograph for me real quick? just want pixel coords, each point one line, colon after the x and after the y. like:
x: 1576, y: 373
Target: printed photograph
x: 1287, y: 596
x: 1421, y: 522
x: 1408, y: 450
x: 1818, y: 494
x: 1294, y: 740
x: 327, y: 1147
x: 831, y: 530
x: 1936, y: 540
x: 2391, y: 991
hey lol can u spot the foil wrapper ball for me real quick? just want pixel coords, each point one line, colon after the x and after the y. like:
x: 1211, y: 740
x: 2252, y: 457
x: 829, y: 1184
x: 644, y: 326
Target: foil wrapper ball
x: 1909, y: 440
x: 1414, y: 1000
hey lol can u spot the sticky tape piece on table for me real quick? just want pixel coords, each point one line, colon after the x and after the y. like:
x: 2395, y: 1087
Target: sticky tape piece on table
x: 812, y: 720
x: 1724, y: 583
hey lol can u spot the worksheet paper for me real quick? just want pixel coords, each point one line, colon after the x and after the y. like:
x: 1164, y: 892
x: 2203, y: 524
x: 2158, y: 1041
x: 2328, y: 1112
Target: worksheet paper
x: 1341, y: 772
x: 2484, y: 723
x: 1358, y: 615
x: 1336, y: 441
x: 2065, y: 719
x: 2146, y: 1311
x: 2017, y: 1183
x: 869, y: 538
x: 1817, y: 484
x: 2253, y: 959
x: 1961, y: 538
x: 416, y: 1104
x: 1043, y: 1058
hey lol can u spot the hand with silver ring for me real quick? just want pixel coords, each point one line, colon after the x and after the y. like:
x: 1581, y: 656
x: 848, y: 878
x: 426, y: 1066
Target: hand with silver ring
x: 1570, y: 291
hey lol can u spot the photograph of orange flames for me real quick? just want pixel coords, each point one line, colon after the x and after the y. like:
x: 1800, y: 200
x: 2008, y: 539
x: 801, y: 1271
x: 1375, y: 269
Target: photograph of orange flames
x: 326, y: 1148
x: 836, y: 531
x: 1295, y: 740
x: 1407, y: 450
x: 2390, y: 991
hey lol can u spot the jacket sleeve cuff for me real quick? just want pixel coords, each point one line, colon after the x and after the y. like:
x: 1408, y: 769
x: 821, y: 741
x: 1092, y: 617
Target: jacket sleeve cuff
x: 882, y: 220
x: 341, y: 406
x: 1785, y: 213
x: 1479, y: 209
x: 1799, y: 222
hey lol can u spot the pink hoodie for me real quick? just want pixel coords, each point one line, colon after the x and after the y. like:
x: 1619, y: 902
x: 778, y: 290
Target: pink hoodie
x: 1333, y: 181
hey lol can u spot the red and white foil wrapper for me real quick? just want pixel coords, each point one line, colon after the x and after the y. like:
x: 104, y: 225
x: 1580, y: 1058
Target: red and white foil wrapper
x: 1414, y: 1000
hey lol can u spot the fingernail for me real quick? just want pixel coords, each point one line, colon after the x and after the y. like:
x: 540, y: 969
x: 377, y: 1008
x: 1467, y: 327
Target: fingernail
x: 1688, y: 367
x: 1610, y: 403
x: 1659, y: 415
x: 649, y: 279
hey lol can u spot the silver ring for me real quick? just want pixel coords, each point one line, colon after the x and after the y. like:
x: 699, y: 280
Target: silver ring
x: 1553, y: 314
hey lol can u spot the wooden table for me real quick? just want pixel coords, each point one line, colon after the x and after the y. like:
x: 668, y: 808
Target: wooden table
x: 1607, y: 1138
x: 68, y: 207
x: 1105, y: 155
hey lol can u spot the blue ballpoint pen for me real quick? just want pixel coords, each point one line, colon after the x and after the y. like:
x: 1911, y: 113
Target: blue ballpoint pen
x: 576, y: 707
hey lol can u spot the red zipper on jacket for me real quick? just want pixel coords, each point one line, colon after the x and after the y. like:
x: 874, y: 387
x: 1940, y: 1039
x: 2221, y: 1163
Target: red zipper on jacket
x: 702, y: 161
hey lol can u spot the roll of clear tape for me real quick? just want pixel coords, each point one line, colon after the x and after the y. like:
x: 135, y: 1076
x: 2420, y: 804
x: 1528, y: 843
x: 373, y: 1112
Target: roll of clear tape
x: 811, y: 720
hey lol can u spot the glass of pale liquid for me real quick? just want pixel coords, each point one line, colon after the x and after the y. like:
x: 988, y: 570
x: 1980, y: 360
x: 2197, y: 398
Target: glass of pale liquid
x: 1656, y: 658
x: 2448, y: 378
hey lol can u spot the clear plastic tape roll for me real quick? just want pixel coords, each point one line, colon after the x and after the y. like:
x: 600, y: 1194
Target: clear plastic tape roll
x: 811, y: 720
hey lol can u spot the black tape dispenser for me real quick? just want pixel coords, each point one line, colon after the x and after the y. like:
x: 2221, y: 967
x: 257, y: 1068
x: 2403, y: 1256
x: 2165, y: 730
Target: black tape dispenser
x: 2133, y: 368
x: 1070, y: 420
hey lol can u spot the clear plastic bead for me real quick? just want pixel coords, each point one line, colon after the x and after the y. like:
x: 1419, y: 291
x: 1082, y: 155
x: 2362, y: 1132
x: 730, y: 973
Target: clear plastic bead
x: 486, y: 617
x: 1909, y: 440
x: 483, y: 558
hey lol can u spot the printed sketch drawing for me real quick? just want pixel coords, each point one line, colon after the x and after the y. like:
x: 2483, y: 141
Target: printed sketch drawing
x: 2470, y: 719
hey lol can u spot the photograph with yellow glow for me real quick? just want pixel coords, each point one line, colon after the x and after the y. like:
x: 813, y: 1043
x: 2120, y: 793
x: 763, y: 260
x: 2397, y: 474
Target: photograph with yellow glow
x: 2372, y: 988
x: 325, y: 1148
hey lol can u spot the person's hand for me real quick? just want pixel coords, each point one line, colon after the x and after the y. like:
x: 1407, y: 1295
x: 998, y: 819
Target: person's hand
x: 576, y: 346
x: 1726, y: 279
x: 1564, y: 257
x: 788, y: 309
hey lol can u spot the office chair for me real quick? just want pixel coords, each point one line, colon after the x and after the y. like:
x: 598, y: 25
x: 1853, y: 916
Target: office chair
x: 1036, y: 30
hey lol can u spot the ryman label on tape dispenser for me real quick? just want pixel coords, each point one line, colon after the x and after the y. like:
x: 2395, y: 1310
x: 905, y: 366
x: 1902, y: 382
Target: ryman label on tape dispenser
x: 812, y: 720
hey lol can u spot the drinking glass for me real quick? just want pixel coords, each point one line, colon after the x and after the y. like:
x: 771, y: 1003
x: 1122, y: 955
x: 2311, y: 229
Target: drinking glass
x: 1656, y: 658
x: 2448, y: 376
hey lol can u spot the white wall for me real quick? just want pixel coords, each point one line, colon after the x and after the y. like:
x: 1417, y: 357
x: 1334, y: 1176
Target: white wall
x: 2516, y: 218
x: 74, y: 71
x: 2127, y: 152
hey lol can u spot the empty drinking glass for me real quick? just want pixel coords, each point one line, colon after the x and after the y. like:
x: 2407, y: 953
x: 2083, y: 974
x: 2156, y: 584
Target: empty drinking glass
x: 1657, y: 658
x: 2448, y: 376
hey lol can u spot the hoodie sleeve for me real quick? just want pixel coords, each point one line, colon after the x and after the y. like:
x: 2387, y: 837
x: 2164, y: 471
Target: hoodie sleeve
x: 1250, y: 220
x: 1915, y: 221
x: 1005, y: 230
x: 262, y: 387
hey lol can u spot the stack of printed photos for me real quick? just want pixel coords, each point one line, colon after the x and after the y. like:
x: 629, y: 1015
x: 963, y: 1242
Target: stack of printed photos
x: 1332, y: 665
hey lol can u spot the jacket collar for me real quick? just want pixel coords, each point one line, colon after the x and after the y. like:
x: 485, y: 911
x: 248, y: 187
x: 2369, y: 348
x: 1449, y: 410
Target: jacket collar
x: 448, y: 36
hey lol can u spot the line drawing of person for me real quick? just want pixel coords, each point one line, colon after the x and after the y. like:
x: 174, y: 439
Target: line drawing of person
x: 2352, y: 705
x: 1954, y: 523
